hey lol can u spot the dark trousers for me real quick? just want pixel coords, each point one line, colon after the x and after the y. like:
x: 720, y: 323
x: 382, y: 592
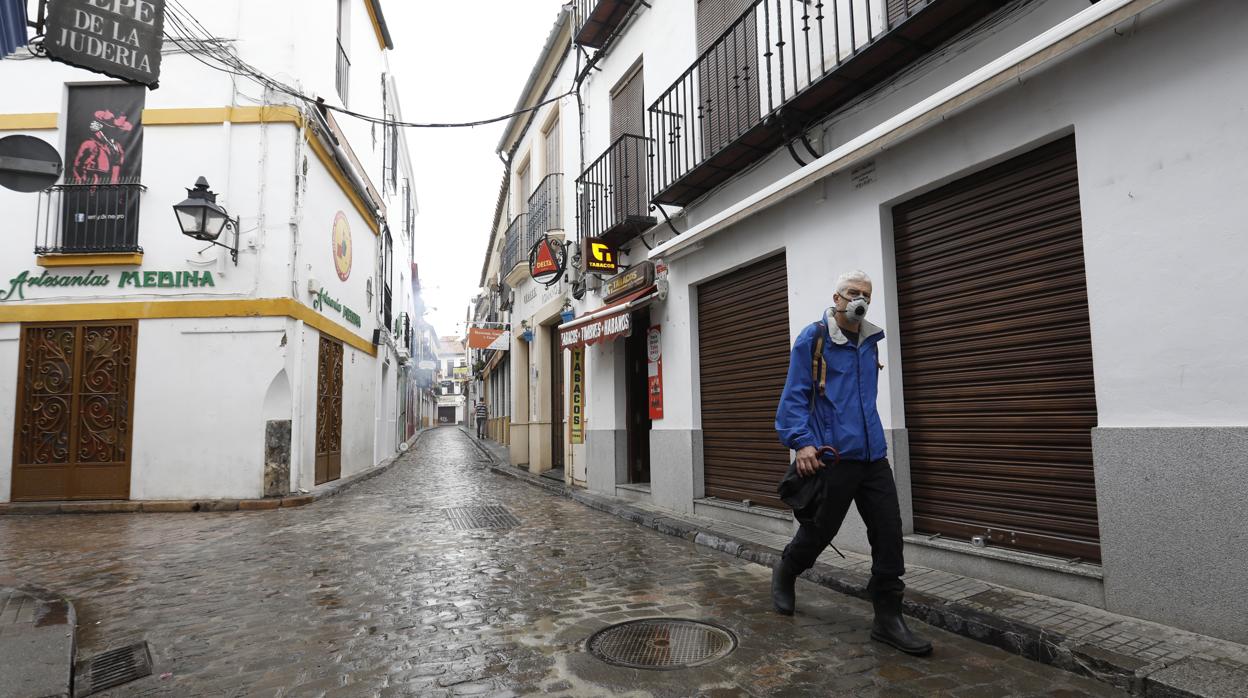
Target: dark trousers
x: 870, y: 486
x: 481, y: 427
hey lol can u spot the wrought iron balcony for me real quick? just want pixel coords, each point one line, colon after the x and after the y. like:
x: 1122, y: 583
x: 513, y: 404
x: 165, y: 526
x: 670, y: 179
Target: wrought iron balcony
x: 515, y: 249
x: 613, y: 194
x: 782, y: 66
x: 597, y: 20
x: 546, y: 207
x: 88, y: 218
x: 342, y: 74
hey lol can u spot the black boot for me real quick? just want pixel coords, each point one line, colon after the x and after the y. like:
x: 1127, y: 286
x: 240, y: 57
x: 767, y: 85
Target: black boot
x: 890, y: 628
x: 783, y: 588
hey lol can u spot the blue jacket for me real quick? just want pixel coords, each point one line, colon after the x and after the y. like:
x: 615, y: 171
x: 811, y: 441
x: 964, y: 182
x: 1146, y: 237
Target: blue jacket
x: 846, y: 417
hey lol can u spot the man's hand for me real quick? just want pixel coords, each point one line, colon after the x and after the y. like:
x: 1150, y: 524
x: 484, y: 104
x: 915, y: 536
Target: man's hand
x: 808, y: 462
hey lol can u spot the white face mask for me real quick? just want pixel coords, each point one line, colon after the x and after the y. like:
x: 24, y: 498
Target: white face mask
x: 856, y: 309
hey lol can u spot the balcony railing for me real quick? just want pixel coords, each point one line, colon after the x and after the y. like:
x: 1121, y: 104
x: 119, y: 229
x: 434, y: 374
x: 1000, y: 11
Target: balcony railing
x: 88, y: 218
x: 546, y: 207
x: 597, y: 20
x: 342, y: 74
x: 386, y: 307
x: 779, y: 68
x: 613, y: 194
x: 515, y: 249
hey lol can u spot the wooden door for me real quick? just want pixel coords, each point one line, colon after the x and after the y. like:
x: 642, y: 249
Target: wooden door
x: 75, y: 407
x: 329, y: 412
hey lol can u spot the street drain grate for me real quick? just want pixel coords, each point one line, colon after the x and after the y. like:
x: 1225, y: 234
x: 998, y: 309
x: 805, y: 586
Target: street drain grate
x: 662, y: 643
x: 111, y: 668
x: 469, y: 518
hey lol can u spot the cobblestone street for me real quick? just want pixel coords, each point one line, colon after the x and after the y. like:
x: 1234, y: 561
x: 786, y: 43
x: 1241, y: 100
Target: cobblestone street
x: 373, y: 592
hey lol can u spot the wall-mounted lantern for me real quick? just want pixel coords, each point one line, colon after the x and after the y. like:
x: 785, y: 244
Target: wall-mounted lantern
x: 566, y: 313
x: 527, y: 333
x: 201, y: 218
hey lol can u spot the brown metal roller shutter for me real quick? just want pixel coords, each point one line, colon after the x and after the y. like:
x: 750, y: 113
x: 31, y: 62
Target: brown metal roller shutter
x: 743, y: 334
x: 628, y: 106
x: 997, y: 357
x: 728, y: 77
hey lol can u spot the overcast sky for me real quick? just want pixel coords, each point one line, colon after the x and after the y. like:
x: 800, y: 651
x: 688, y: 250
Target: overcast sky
x: 460, y: 62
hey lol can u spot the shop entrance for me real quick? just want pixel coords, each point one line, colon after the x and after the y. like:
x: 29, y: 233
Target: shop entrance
x: 637, y: 401
x: 75, y: 406
x: 556, y: 400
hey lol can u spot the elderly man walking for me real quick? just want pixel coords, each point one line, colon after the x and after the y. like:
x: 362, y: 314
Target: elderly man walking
x: 829, y: 404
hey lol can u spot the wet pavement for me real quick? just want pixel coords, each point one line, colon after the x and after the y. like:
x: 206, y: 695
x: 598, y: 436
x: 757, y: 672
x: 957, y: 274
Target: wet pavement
x: 375, y: 593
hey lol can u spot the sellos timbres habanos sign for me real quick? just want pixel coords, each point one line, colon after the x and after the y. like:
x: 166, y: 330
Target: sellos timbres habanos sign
x: 119, y: 38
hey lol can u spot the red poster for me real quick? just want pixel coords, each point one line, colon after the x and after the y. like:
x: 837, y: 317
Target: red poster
x: 654, y: 372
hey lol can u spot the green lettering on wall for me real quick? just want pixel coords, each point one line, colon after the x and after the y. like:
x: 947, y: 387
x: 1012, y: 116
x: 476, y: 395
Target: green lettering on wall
x: 206, y: 279
x: 149, y: 279
x: 164, y: 279
x: 128, y: 276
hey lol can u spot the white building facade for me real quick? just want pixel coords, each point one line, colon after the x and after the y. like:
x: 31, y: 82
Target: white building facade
x: 1036, y: 187
x: 180, y: 372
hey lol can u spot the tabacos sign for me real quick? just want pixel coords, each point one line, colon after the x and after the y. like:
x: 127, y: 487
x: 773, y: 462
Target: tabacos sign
x: 20, y: 284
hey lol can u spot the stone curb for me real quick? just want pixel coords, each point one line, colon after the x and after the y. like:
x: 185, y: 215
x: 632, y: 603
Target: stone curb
x: 183, y: 506
x: 1186, y: 678
x: 51, y: 667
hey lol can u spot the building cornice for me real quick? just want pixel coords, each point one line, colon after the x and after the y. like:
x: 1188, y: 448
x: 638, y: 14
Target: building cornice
x: 185, y: 309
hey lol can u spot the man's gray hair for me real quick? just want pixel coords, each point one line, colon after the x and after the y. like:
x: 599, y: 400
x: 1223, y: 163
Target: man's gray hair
x: 842, y: 281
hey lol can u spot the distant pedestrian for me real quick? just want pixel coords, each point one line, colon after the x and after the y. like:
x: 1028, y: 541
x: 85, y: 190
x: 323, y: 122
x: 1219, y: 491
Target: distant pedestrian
x: 483, y: 414
x: 828, y: 405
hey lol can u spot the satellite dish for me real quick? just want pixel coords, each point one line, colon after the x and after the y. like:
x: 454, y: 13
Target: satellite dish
x: 28, y: 164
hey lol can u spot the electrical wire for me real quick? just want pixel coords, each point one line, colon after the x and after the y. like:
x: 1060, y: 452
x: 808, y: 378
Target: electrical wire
x: 188, y: 31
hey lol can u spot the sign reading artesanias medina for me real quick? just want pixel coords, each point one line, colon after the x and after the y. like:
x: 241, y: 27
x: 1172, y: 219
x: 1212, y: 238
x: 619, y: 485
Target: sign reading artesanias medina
x: 120, y: 38
x: 17, y: 286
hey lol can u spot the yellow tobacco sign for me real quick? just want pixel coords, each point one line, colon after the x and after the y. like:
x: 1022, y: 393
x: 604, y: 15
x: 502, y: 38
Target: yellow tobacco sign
x: 600, y: 257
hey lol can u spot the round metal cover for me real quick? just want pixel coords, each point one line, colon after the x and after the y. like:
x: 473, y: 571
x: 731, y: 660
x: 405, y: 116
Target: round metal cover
x: 662, y: 643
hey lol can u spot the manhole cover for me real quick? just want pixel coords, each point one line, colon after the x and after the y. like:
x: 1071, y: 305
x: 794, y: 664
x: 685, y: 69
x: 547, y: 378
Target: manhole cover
x: 111, y: 668
x: 662, y: 643
x: 468, y: 518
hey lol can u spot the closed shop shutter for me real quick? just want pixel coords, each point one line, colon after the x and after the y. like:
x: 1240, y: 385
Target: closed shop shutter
x: 743, y: 335
x: 997, y: 357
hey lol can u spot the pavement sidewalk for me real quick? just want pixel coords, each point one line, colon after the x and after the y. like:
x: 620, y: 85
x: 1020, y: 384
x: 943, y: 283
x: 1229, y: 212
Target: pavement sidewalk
x: 36, y: 642
x: 1144, y: 658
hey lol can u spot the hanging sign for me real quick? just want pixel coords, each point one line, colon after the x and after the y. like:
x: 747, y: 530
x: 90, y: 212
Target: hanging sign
x: 635, y: 279
x: 576, y: 422
x: 599, y: 257
x: 119, y: 38
x: 489, y: 338
x: 654, y: 371
x: 341, y: 241
x: 547, y: 261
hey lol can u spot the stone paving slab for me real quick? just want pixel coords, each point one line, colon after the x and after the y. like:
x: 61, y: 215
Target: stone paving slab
x: 1138, y: 656
x: 36, y: 642
x: 194, y: 506
x: 376, y: 593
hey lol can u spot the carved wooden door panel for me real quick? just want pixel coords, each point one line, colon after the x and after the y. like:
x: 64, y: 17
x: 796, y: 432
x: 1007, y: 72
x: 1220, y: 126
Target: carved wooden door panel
x: 75, y: 407
x: 329, y: 412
